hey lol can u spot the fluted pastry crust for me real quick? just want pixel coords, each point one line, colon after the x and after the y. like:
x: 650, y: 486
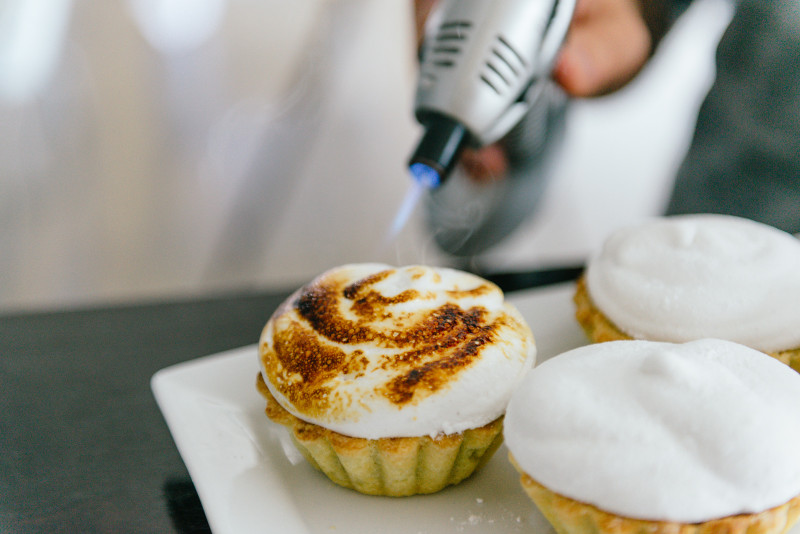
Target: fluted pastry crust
x: 568, y: 516
x: 393, y: 467
x: 599, y: 328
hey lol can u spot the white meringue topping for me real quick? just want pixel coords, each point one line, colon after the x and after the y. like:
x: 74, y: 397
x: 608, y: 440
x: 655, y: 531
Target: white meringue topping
x: 372, y: 351
x: 659, y: 431
x: 689, y: 277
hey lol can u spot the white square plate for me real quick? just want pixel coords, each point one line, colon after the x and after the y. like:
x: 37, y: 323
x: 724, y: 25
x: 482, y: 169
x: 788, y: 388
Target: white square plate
x: 250, y: 478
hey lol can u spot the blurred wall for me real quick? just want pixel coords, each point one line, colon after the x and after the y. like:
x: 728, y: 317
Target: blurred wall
x: 251, y: 147
x: 153, y: 148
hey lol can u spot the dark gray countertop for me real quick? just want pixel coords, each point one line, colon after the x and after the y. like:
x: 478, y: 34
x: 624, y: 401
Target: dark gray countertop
x: 83, y: 445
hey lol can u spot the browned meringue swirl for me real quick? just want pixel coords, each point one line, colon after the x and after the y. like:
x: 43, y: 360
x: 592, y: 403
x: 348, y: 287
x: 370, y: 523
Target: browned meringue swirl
x: 418, y: 339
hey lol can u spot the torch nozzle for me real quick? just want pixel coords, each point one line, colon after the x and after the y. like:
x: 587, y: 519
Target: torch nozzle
x: 438, y: 150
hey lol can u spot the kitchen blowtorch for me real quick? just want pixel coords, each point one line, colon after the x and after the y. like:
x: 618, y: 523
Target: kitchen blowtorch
x: 484, y: 63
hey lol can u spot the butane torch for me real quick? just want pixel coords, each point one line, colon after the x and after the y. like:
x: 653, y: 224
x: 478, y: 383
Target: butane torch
x: 484, y: 64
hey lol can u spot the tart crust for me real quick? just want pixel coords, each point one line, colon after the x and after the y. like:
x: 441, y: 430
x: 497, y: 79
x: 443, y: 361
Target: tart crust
x: 568, y: 516
x: 599, y: 328
x: 393, y: 467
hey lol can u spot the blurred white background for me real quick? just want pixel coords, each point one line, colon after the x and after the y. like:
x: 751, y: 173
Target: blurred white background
x: 158, y: 148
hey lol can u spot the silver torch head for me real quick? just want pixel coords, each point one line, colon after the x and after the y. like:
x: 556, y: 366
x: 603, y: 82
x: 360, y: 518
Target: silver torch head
x: 483, y: 65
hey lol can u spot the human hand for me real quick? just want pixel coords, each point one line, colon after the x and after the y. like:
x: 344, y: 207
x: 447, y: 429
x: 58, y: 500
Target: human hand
x: 607, y: 44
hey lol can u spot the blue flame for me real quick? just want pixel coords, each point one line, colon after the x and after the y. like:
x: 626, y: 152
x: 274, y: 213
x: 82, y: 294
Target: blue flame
x: 425, y: 175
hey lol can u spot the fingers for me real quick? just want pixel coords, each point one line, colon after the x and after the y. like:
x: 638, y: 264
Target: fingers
x: 422, y: 10
x: 607, y: 44
x: 485, y: 164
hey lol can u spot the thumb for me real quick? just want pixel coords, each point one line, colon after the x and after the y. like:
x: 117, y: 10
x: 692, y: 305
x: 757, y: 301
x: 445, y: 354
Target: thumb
x: 607, y: 45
